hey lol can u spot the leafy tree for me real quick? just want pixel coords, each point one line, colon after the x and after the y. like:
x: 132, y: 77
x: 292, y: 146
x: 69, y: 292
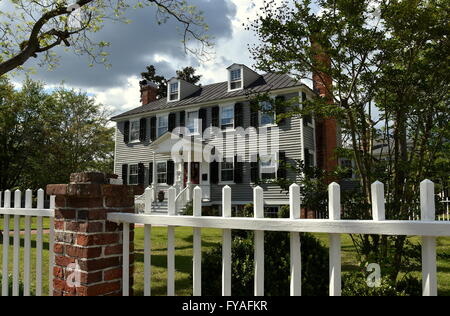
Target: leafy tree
x: 187, y: 74
x: 390, y: 81
x: 160, y: 81
x: 46, y: 136
x: 33, y: 28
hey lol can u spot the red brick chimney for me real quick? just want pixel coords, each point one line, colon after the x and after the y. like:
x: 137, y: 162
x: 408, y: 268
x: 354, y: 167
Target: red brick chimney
x: 149, y: 91
x: 326, y: 127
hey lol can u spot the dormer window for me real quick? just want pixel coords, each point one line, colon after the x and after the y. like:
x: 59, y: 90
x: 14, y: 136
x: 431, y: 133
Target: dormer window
x: 236, y: 79
x: 174, y: 91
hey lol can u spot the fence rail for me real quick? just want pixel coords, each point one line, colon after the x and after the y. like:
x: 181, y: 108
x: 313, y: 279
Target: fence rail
x: 428, y: 228
x: 27, y: 212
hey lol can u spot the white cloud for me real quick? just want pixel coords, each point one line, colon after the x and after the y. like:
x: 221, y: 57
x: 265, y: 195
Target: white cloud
x: 119, y: 99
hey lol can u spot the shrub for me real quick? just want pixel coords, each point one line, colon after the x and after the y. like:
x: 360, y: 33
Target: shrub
x: 354, y: 284
x: 277, y: 265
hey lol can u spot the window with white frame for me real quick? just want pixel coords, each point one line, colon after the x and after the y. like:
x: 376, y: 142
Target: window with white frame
x: 133, y: 177
x: 226, y: 171
x: 163, y: 125
x: 134, y: 131
x: 227, y: 117
x: 161, y: 172
x: 267, y: 113
x: 192, y: 122
x: 174, y: 89
x: 268, y: 166
x: 235, y: 79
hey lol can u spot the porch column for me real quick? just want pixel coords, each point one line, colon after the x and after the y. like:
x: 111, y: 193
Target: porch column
x: 188, y: 182
x: 155, y: 180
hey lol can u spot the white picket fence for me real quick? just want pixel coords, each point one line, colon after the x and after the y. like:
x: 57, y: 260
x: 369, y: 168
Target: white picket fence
x: 428, y: 228
x: 28, y: 212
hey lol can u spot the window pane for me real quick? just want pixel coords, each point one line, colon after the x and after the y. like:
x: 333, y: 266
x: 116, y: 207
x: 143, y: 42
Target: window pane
x: 163, y: 122
x: 192, y: 118
x: 174, y: 87
x: 133, y: 178
x: 235, y: 85
x: 134, y: 131
x: 235, y: 75
x: 161, y: 170
x: 227, y: 171
x: 267, y: 116
x: 161, y: 167
x: 227, y: 117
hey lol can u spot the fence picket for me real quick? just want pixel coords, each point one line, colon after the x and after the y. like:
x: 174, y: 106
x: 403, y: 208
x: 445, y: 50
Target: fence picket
x: 258, y: 203
x: 16, y: 251
x: 378, y: 210
x: 39, y: 243
x: 51, y: 253
x: 334, y: 208
x: 126, y: 259
x: 6, y: 218
x: 148, y: 195
x: 197, y: 240
x: 27, y: 246
x: 171, y: 245
x: 295, y: 244
x: 427, y: 209
x: 226, y: 244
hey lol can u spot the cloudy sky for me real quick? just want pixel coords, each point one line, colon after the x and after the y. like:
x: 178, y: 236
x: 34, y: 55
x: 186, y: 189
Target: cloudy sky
x: 144, y: 42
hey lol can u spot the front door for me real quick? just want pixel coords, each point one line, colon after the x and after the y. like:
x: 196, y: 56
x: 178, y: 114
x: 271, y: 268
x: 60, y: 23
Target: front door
x: 195, y: 173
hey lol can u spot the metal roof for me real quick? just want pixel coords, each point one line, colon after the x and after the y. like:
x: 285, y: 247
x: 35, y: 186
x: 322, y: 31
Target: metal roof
x: 217, y: 92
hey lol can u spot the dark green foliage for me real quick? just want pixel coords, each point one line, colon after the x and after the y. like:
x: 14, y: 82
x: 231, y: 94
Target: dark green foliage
x: 277, y: 265
x: 354, y: 284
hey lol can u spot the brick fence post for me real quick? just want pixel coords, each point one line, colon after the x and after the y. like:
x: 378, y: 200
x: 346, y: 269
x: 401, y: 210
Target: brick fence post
x: 84, y: 237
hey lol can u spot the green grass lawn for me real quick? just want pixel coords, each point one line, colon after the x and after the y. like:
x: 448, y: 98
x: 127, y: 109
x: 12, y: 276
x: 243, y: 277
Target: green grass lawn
x: 211, y: 237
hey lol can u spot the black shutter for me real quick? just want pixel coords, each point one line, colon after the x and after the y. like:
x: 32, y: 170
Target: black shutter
x: 172, y: 121
x: 282, y: 168
x: 280, y: 108
x: 170, y: 172
x: 307, y: 119
x: 126, y: 132
x: 238, y: 115
x: 254, y: 114
x: 215, y: 116
x: 143, y: 129
x: 307, y: 160
x: 153, y: 128
x: 214, y: 171
x: 141, y: 174
x: 125, y: 174
x: 202, y: 119
x: 254, y: 170
x: 150, y: 173
x: 238, y: 170
x: 182, y: 119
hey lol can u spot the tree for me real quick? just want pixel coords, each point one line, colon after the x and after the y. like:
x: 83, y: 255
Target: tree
x: 187, y: 74
x: 44, y: 137
x: 33, y: 28
x: 388, y: 63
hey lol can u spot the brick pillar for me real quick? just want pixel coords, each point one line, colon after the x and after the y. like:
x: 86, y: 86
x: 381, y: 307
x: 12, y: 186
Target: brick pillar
x: 83, y: 236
